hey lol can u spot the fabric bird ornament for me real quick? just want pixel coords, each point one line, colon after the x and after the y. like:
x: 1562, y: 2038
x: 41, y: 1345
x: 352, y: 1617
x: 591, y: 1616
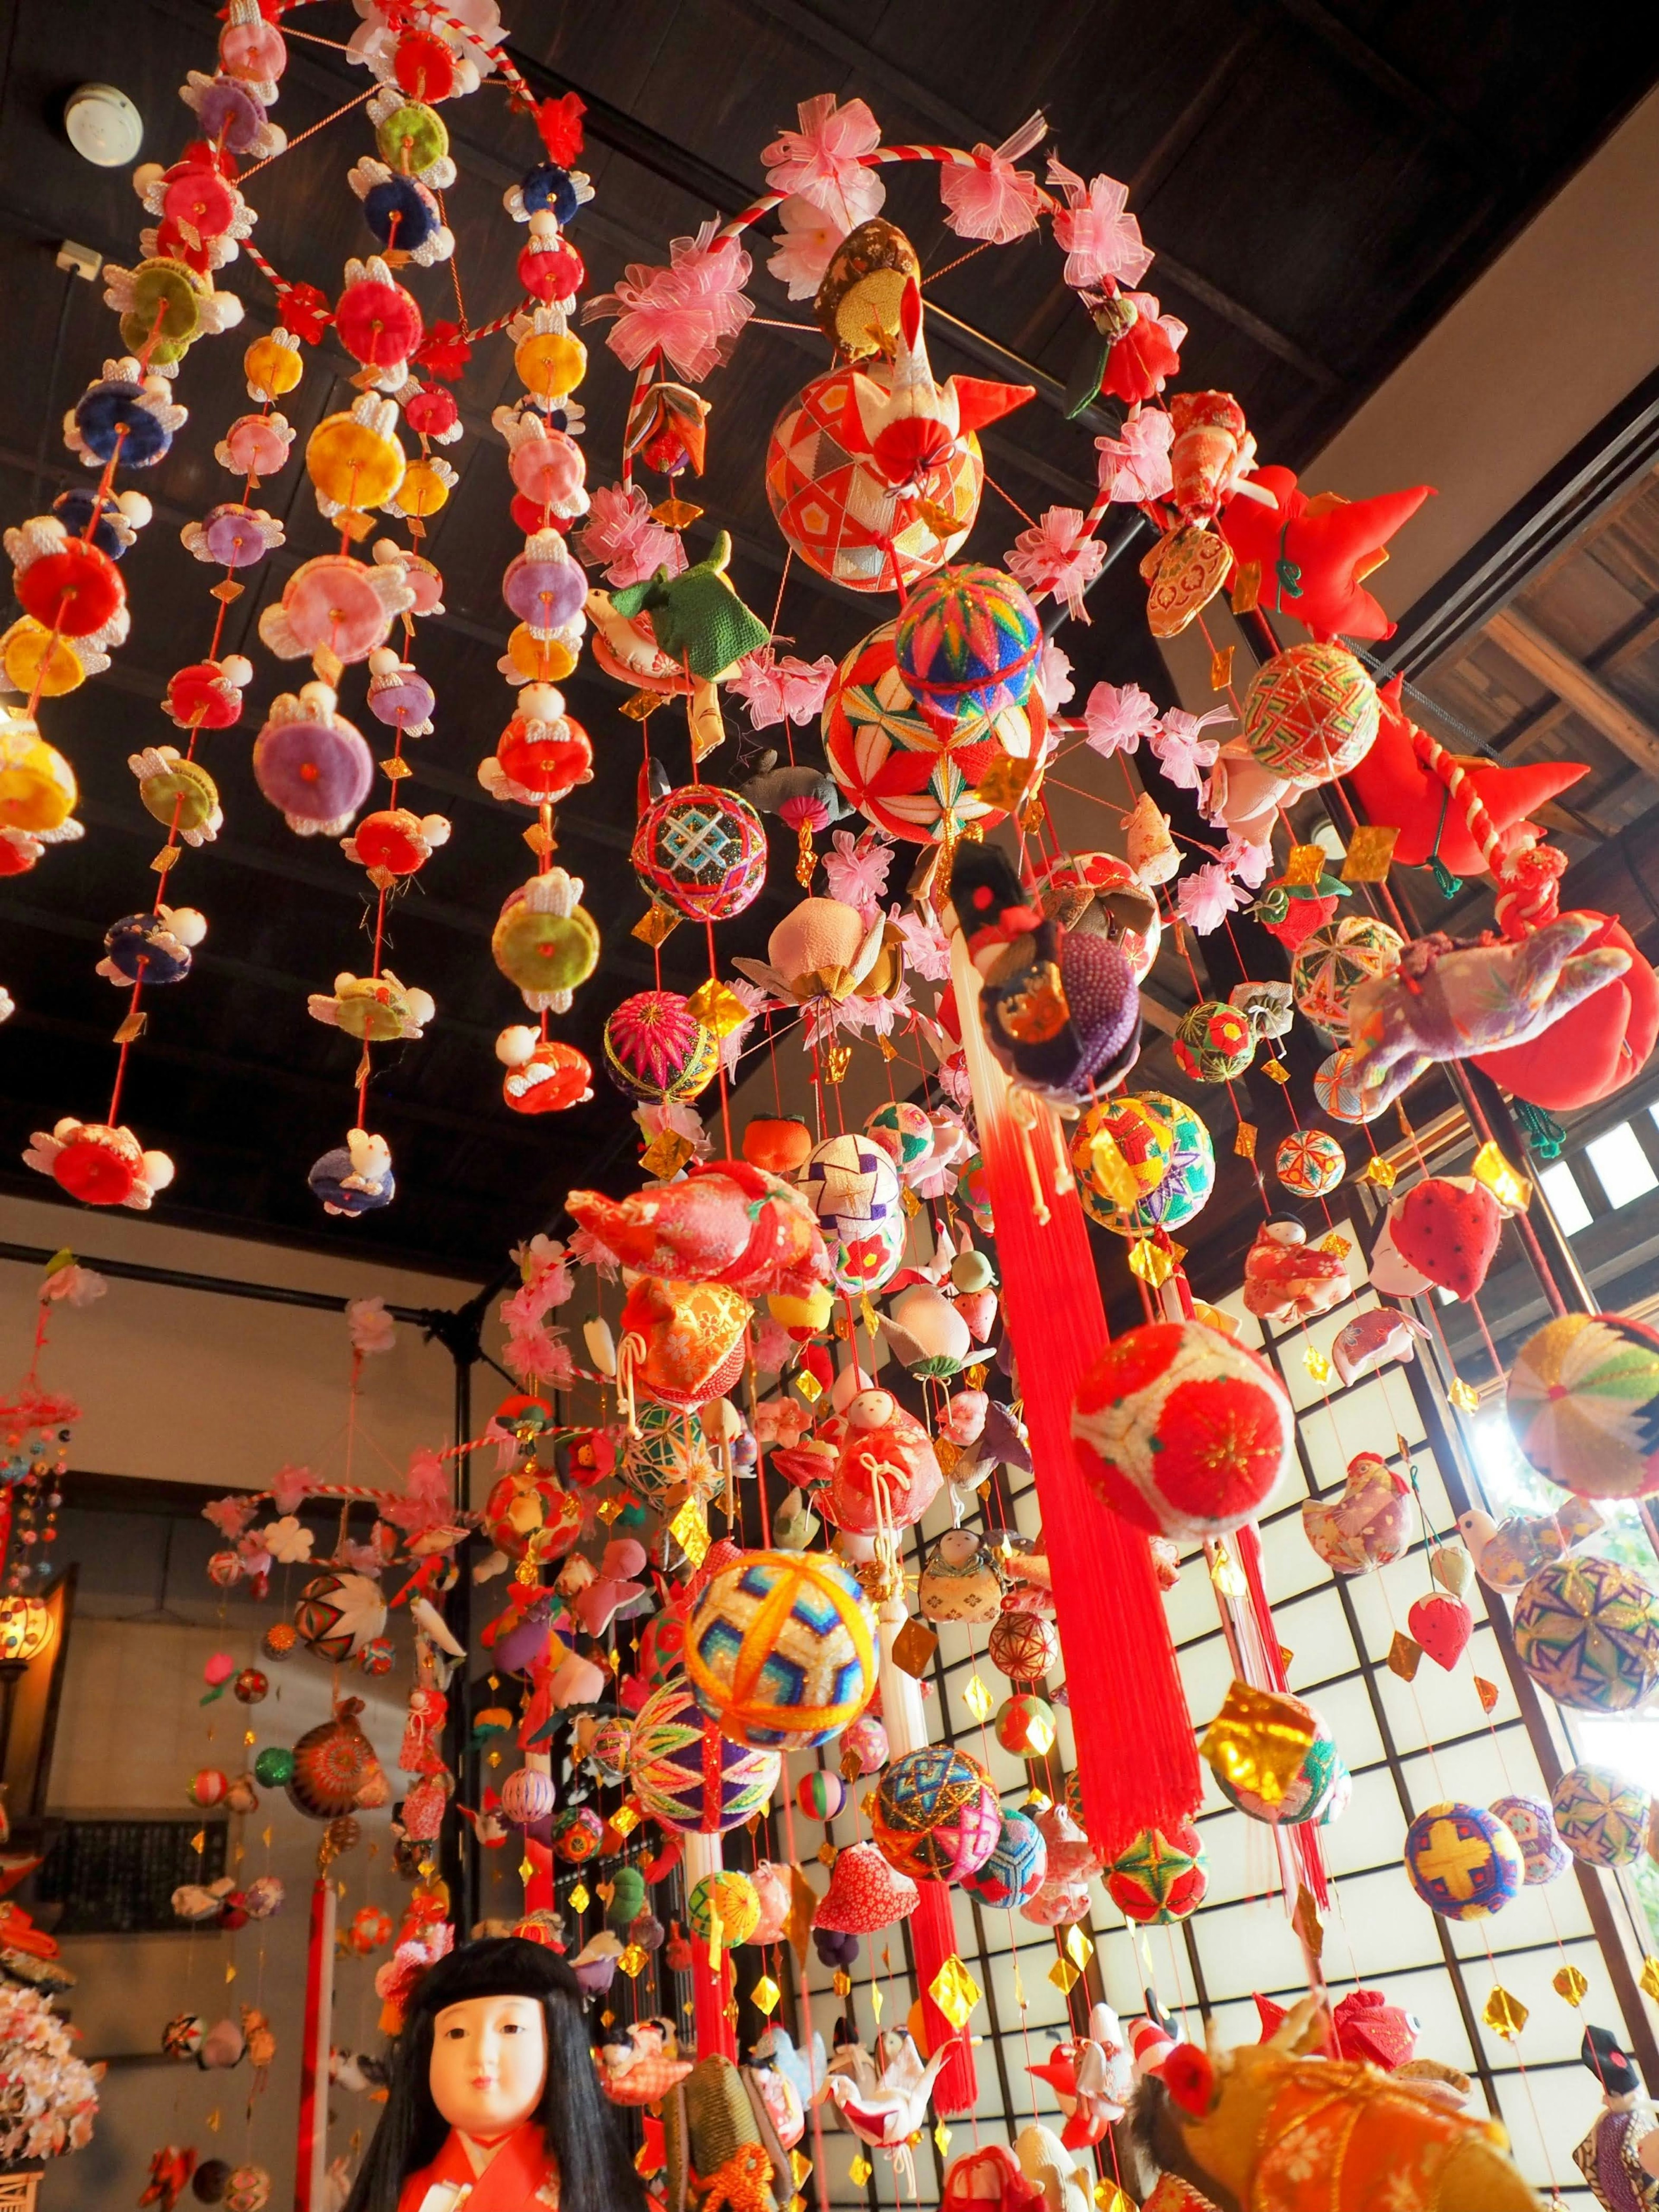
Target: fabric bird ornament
x: 1451, y: 1001
x: 1315, y: 552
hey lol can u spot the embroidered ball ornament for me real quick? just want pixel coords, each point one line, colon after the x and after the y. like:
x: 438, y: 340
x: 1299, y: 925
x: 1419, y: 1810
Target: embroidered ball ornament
x: 1336, y: 1087
x: 1160, y: 1877
x: 1310, y: 1787
x: 1017, y: 1865
x: 967, y: 644
x: 1462, y: 1861
x: 529, y: 1515
x: 1310, y: 1162
x: 1025, y: 1725
x: 1183, y: 1431
x: 905, y: 774
x: 331, y: 1764
x: 1142, y: 1135
x: 1311, y: 713
x: 1024, y: 1646
x: 1587, y: 1630
x: 1584, y: 1404
x: 1334, y: 958
x: 821, y: 1794
x: 528, y: 1797
x: 338, y: 1615
x: 1600, y: 1817
x: 1188, y: 1177
x: 578, y: 1835
x: 852, y: 1188
x: 863, y: 1747
x: 656, y: 1049
x: 701, y: 851
x: 780, y: 1652
x: 839, y: 513
x: 1214, y: 1043
x: 727, y: 1901
x: 937, y: 1816
x: 669, y: 1454
x: 1101, y: 895
x: 1532, y: 1824
x: 689, y: 1777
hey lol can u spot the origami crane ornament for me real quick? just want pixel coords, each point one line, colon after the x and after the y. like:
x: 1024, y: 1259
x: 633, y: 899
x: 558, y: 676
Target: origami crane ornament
x: 1404, y: 781
x: 1315, y: 553
x: 1447, y: 1001
x: 806, y: 2068
x: 883, y: 2100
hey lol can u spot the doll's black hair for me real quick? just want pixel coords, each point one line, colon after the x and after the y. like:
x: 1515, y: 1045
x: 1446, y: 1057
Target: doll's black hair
x: 582, y: 2131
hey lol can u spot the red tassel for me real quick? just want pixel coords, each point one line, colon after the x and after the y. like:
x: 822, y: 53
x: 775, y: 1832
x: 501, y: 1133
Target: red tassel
x: 711, y: 1993
x: 933, y: 1940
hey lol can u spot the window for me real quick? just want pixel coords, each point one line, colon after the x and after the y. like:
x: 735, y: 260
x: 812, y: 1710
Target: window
x: 1625, y: 1170
x: 1560, y: 1186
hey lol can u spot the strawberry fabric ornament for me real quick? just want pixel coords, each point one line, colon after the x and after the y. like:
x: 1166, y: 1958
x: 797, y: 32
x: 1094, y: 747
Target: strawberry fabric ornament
x: 1448, y: 1228
x: 1313, y: 553
x: 1442, y: 1625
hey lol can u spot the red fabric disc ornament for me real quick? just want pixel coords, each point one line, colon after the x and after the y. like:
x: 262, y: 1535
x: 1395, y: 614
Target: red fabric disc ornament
x: 1183, y: 1431
x: 378, y: 323
x: 74, y: 591
x: 424, y: 66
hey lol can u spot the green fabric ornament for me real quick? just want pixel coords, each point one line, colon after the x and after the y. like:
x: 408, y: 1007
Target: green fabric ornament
x: 627, y: 1900
x: 696, y: 617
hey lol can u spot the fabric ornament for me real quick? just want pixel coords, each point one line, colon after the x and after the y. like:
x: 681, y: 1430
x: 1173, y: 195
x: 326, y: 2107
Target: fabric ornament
x: 1101, y: 895
x: 1587, y: 1630
x: 1448, y: 1230
x: 1595, y: 1050
x: 1334, y: 960
x: 967, y: 644
x: 779, y: 1651
x: 867, y: 1893
x: 687, y: 1776
x: 852, y: 1188
x: 701, y: 851
x: 1310, y: 1162
x: 1532, y: 1824
x: 1462, y: 1861
x: 656, y: 1049
x: 1023, y: 1645
x: 1161, y: 1877
x: 1310, y: 713
x: 1311, y: 1786
x: 1369, y: 1525
x: 728, y: 1899
x: 937, y: 1815
x: 1015, y: 1868
x: 1213, y: 1042
x: 1600, y: 1817
x: 1183, y: 1431
x: 1582, y: 1401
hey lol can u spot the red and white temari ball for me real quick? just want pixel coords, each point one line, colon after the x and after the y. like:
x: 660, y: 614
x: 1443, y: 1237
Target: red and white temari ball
x: 1183, y: 1431
x: 1310, y: 1162
x: 1160, y: 1877
x: 1311, y: 713
x: 1024, y: 1646
x: 839, y: 512
x: 702, y: 851
x: 689, y: 1776
x: 937, y: 1816
x: 899, y: 770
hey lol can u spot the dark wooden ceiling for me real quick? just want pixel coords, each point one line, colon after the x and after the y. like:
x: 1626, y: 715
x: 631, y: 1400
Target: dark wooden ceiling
x: 1319, y: 182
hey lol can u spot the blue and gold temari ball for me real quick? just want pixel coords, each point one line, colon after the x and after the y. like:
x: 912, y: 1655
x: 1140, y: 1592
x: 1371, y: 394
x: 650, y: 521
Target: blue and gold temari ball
x: 1587, y: 1630
x: 1532, y: 1824
x: 689, y: 1776
x: 1600, y: 1816
x: 780, y: 1652
x: 937, y: 1817
x: 1462, y: 1861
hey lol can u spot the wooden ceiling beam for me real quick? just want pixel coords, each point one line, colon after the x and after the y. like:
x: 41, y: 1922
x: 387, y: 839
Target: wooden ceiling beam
x: 1576, y: 686
x: 1331, y: 30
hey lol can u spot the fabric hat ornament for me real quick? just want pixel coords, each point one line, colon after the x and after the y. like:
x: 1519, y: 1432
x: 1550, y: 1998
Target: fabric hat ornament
x: 1582, y: 1401
x: 1101, y: 896
x: 1532, y: 1824
x: 937, y: 1816
x: 1587, y: 1630
x: 1448, y: 1228
x: 1448, y: 1002
x: 1600, y: 1816
x: 1161, y: 1877
x: 696, y: 617
x: 1462, y: 1861
x: 1183, y: 1431
x: 687, y: 1776
x: 779, y: 1651
x: 867, y: 1893
x: 1369, y: 1525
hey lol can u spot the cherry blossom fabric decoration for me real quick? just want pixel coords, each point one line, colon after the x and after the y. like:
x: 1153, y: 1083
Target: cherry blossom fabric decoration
x: 820, y: 161
x: 371, y: 1327
x: 1182, y: 754
x: 1060, y: 555
x: 1055, y: 687
x: 806, y: 248
x: 287, y: 1540
x: 993, y: 200
x: 787, y: 690
x: 1116, y: 717
x: 691, y: 311
x: 855, y: 871
x: 1136, y: 466
x: 1207, y: 897
x: 620, y: 537
x: 1102, y: 242
x: 926, y: 948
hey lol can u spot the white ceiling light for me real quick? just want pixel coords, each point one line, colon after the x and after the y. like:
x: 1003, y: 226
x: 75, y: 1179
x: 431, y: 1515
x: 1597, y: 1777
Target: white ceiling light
x: 104, y: 127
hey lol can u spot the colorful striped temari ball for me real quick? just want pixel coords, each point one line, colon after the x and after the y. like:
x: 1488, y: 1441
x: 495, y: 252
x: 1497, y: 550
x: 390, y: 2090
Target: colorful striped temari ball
x: 780, y: 1652
x: 687, y: 1775
x: 1159, y: 1877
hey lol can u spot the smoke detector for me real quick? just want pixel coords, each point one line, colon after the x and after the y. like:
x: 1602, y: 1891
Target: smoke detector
x: 104, y: 127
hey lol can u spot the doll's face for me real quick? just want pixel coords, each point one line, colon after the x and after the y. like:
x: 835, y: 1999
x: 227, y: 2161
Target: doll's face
x: 488, y: 2064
